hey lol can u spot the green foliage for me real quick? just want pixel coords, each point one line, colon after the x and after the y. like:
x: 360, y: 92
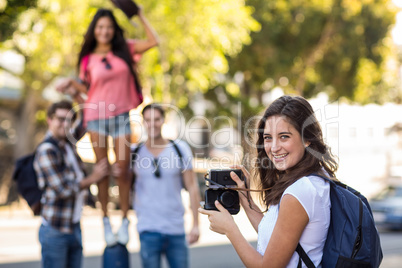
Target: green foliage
x: 195, y: 38
x: 9, y: 13
x: 47, y: 36
x: 337, y: 46
x: 307, y: 47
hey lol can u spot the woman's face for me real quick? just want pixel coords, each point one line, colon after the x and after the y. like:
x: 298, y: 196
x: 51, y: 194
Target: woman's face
x: 153, y: 120
x: 104, y: 30
x: 283, y: 143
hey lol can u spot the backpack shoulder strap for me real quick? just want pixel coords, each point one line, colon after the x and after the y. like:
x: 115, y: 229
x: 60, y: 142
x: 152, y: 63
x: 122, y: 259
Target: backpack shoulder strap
x: 54, y: 144
x: 303, y: 256
x: 52, y: 141
x: 181, y: 160
x: 299, y: 249
x: 134, y: 156
x: 177, y: 149
x: 85, y: 61
x: 134, y: 153
x: 84, y: 70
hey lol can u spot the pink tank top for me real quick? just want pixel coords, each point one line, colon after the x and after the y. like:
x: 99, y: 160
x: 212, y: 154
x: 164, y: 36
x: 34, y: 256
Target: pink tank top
x: 112, y: 89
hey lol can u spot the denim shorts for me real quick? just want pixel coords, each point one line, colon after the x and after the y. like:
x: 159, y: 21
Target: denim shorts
x: 115, y: 126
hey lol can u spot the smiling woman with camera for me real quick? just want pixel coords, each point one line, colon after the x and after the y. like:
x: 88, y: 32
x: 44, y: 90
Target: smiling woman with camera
x: 290, y: 148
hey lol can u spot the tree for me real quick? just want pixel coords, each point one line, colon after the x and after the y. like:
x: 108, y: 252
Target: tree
x: 306, y: 47
x: 195, y: 37
x: 9, y: 13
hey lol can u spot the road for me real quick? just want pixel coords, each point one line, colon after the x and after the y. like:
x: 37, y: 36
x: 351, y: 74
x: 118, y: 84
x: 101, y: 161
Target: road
x: 19, y: 246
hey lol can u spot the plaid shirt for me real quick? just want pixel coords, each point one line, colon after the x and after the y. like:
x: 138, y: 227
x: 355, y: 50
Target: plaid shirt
x: 58, y: 179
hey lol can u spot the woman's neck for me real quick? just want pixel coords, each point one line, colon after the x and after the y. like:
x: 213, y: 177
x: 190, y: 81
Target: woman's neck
x: 156, y: 146
x: 156, y: 142
x: 102, y: 48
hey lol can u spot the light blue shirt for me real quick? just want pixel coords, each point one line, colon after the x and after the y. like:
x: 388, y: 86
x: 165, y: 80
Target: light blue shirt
x: 157, y: 201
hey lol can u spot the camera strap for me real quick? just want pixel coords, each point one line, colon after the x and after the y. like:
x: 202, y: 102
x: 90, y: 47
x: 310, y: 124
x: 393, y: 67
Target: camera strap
x: 220, y: 185
x: 234, y: 188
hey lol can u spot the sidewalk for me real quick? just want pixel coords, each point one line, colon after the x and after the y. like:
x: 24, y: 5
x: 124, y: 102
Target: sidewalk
x: 19, y: 236
x: 200, y: 257
x: 20, y: 248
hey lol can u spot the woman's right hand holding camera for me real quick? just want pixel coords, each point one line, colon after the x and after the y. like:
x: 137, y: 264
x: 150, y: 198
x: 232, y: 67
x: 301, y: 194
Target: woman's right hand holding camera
x: 252, y: 210
x: 241, y: 184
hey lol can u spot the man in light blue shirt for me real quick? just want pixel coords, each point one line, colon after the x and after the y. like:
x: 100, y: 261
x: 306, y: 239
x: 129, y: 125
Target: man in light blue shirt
x: 161, y: 171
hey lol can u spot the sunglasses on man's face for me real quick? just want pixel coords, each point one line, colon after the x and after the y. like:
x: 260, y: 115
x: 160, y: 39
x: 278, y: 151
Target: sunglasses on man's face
x: 156, y: 171
x: 107, y: 64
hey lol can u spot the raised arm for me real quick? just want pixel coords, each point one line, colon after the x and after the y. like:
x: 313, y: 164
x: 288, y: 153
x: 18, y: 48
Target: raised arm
x: 151, y: 36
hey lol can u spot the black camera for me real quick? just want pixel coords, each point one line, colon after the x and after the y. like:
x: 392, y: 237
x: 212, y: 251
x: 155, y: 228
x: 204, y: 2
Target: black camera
x: 228, y: 198
x: 219, y: 184
x: 221, y: 178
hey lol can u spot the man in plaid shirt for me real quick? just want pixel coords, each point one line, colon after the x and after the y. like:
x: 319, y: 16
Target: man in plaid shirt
x: 61, y: 175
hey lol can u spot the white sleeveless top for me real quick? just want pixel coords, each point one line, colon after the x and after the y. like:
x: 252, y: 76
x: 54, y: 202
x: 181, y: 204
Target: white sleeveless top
x: 313, y: 194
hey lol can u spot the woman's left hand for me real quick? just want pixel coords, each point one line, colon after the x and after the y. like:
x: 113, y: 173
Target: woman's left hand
x: 66, y: 87
x: 220, y: 221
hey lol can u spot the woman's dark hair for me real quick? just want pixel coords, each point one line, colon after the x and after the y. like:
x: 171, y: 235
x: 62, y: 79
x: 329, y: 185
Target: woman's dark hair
x: 155, y: 106
x: 317, y: 157
x: 119, y: 44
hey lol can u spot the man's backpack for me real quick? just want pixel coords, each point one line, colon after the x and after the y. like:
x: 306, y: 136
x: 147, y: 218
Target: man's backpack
x: 353, y: 240
x: 27, y: 182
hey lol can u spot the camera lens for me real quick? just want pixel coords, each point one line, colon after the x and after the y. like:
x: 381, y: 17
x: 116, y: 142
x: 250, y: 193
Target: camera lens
x: 227, y: 199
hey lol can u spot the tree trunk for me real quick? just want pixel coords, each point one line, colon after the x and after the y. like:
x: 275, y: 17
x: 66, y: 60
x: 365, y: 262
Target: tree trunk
x: 26, y: 125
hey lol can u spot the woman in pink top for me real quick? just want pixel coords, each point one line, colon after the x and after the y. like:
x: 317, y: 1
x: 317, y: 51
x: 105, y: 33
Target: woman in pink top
x: 109, y: 84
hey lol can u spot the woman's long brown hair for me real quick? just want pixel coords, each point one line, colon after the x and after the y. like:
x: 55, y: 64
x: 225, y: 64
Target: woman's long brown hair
x: 317, y: 157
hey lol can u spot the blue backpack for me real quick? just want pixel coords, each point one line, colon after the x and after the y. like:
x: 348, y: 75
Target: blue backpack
x: 353, y: 240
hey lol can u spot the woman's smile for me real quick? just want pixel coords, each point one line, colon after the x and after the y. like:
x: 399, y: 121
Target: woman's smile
x: 280, y: 157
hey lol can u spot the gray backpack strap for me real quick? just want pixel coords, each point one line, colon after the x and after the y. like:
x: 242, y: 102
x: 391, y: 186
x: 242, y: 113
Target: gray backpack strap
x: 181, y: 160
x: 134, y: 156
x: 177, y: 151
